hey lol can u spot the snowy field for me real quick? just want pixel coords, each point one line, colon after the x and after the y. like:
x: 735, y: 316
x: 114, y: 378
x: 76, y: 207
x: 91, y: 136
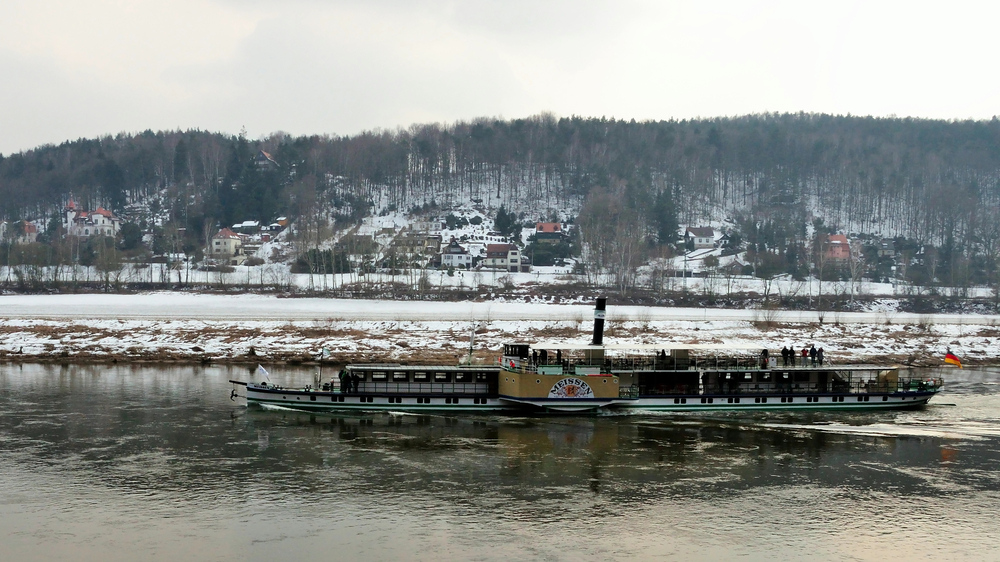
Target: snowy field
x: 236, y: 328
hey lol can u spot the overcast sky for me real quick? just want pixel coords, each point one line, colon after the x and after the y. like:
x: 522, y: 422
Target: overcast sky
x: 83, y: 68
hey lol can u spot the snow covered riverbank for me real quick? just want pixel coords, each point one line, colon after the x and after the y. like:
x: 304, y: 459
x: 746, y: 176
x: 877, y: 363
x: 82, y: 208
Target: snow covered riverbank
x: 238, y: 328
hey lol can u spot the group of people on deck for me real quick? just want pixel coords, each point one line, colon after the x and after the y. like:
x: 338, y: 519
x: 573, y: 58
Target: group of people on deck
x: 810, y: 355
x: 348, y: 382
x: 542, y: 357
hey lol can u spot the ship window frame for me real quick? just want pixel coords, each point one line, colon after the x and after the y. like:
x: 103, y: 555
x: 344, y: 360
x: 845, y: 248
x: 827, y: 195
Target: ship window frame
x: 400, y: 376
x: 379, y: 376
x: 442, y: 377
x: 421, y: 376
x: 463, y: 377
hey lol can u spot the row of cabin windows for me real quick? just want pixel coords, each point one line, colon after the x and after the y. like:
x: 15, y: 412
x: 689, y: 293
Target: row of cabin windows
x: 398, y: 376
x: 766, y: 377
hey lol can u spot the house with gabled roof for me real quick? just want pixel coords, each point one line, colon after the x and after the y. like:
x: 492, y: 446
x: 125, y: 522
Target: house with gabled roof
x: 506, y: 257
x: 702, y: 237
x: 836, y: 248
x: 19, y: 232
x: 227, y: 246
x: 265, y: 162
x: 455, y: 255
x: 548, y: 232
x: 84, y: 224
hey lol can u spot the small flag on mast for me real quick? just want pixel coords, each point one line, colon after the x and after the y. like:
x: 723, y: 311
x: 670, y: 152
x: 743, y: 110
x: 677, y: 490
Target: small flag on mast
x: 950, y: 357
x: 261, y: 371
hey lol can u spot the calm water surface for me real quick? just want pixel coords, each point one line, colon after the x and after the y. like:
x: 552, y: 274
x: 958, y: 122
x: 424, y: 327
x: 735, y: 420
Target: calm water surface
x: 140, y: 463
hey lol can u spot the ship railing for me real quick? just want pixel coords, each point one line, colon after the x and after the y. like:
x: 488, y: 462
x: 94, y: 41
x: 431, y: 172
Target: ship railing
x: 833, y: 387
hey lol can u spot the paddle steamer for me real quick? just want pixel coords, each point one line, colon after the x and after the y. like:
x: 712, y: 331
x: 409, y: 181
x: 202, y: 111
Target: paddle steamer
x: 566, y: 378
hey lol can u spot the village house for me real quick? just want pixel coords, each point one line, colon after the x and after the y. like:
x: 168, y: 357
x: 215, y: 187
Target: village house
x: 506, y: 257
x: 702, y: 237
x: 247, y: 227
x: 21, y: 232
x: 886, y: 248
x: 548, y: 232
x: 416, y: 243
x: 265, y: 162
x: 454, y: 255
x: 29, y: 233
x: 227, y: 246
x: 836, y: 248
x: 428, y: 226
x: 84, y: 224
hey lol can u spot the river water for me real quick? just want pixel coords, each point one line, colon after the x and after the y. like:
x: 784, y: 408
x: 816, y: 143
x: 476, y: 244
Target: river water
x: 140, y: 463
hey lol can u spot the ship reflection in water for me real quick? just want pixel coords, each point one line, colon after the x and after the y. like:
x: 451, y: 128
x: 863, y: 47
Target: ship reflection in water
x: 121, y: 463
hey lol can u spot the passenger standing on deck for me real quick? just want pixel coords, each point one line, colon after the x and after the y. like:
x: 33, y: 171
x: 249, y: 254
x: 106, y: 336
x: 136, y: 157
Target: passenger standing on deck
x: 819, y: 356
x: 763, y: 359
x: 805, y: 356
x: 343, y: 381
x: 784, y: 356
x: 812, y: 355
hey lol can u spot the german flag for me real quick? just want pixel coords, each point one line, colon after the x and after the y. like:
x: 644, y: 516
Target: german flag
x: 953, y: 359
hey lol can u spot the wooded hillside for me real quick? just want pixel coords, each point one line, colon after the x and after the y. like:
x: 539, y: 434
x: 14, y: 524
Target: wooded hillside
x: 934, y: 182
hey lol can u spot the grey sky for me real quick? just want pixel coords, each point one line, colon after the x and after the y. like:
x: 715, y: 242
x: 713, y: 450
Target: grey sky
x: 83, y: 68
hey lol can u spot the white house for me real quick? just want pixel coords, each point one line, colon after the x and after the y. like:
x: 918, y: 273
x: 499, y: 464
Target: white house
x: 454, y: 255
x: 507, y: 257
x: 85, y: 224
x: 227, y: 245
x: 22, y: 232
x: 702, y: 236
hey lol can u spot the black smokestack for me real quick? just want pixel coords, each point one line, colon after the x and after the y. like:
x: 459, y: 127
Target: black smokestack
x: 599, y: 321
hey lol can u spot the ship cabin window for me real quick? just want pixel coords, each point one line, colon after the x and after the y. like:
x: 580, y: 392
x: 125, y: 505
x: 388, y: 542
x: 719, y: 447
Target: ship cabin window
x: 442, y: 377
x: 379, y: 376
x: 518, y: 350
x: 420, y: 377
x: 801, y: 377
x: 481, y: 377
x: 399, y: 376
x: 463, y: 377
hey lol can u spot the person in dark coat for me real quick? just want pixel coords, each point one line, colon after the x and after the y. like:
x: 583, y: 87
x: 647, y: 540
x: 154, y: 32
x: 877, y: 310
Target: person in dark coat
x: 819, y: 356
x: 344, y: 389
x: 812, y: 355
x: 784, y: 356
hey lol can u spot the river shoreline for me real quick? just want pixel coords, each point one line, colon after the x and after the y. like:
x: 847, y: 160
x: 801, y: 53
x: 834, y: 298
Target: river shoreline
x: 250, y: 329
x: 436, y: 342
